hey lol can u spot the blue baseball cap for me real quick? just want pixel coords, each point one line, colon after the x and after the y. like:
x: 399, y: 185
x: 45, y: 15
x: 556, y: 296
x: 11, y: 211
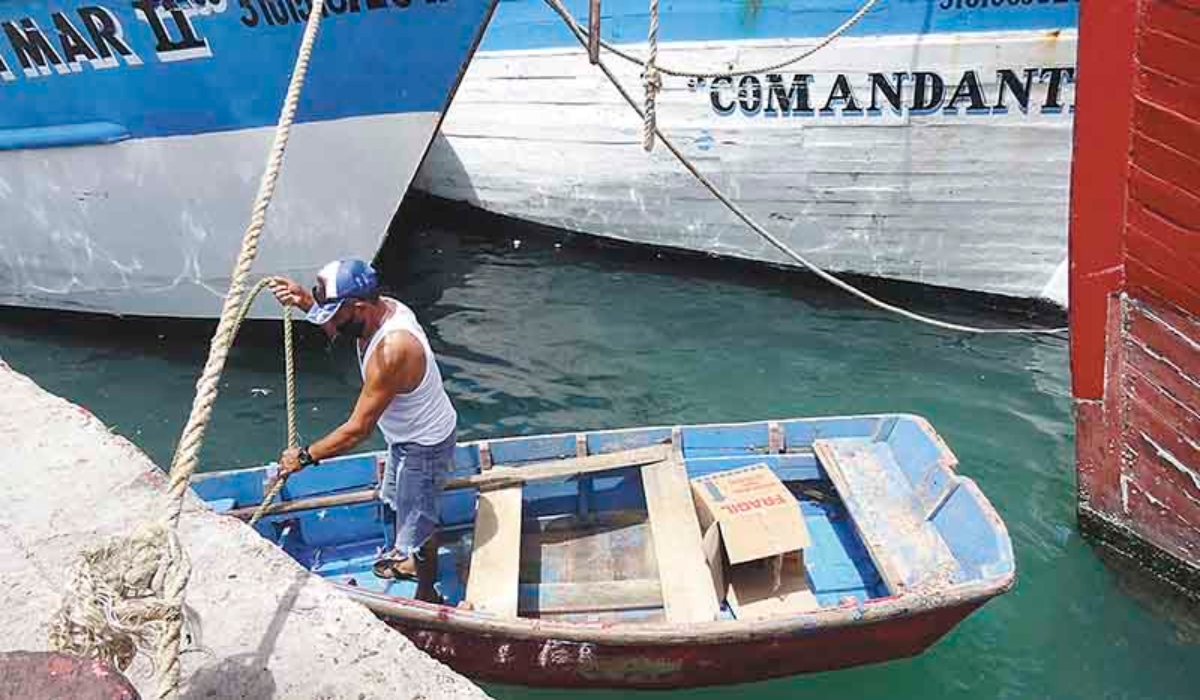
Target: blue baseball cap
x: 338, y: 281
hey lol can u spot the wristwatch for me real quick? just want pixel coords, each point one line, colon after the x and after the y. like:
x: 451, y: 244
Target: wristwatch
x: 306, y: 459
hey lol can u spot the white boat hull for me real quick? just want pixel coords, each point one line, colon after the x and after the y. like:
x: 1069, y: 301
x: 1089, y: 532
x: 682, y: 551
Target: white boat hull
x: 152, y: 227
x: 958, y: 198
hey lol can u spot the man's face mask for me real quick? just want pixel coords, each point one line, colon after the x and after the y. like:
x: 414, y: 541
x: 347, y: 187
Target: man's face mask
x: 351, y: 327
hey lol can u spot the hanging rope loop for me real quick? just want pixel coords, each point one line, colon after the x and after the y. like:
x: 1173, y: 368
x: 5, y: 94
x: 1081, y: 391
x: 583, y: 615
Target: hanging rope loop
x: 651, y: 81
x: 293, y: 438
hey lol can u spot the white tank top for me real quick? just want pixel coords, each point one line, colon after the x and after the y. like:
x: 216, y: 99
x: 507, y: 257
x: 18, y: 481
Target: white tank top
x: 424, y: 415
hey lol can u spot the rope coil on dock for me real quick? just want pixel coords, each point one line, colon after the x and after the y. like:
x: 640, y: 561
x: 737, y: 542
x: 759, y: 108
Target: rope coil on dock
x: 119, y: 596
x: 581, y: 36
x: 127, y: 594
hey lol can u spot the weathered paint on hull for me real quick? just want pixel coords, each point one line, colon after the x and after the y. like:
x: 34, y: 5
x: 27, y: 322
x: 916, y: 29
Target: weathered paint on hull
x: 563, y: 663
x: 972, y: 199
x: 1135, y: 286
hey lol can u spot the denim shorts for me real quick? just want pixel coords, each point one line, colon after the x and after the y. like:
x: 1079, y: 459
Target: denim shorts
x: 412, y: 480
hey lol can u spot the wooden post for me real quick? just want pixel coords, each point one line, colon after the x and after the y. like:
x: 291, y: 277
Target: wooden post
x: 594, y: 31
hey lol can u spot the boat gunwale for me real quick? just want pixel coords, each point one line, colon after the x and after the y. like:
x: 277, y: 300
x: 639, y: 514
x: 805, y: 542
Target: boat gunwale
x: 920, y: 420
x: 895, y: 607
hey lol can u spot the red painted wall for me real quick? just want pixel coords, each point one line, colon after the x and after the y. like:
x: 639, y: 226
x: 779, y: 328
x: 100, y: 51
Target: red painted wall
x: 1100, y: 162
x: 1162, y: 223
x: 1135, y: 269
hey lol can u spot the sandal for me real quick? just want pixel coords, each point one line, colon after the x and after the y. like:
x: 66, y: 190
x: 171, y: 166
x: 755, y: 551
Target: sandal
x: 388, y: 567
x: 435, y: 599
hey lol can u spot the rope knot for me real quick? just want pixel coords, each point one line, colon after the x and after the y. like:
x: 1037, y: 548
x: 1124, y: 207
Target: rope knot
x: 652, y: 80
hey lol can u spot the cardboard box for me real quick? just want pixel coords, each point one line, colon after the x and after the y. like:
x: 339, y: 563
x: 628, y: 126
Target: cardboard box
x: 770, y: 587
x: 756, y: 514
x: 754, y: 537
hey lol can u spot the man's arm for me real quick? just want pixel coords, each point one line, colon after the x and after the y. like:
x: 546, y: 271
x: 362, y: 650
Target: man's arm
x: 374, y: 398
x: 387, y: 375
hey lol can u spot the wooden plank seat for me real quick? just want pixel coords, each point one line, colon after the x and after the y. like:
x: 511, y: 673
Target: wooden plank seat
x: 905, y: 548
x: 687, y: 589
x: 492, y: 584
x: 560, y: 468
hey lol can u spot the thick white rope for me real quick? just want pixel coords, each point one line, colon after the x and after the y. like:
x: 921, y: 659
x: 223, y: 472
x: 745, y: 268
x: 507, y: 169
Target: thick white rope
x: 111, y: 605
x: 735, y: 72
x: 188, y: 450
x: 651, y: 81
x: 562, y: 11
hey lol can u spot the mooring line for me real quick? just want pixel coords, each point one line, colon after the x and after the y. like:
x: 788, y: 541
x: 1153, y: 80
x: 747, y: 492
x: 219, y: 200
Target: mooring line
x: 734, y: 73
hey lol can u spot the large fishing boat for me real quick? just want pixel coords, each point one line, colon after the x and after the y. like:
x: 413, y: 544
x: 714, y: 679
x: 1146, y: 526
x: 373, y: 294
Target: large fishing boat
x: 929, y: 142
x: 133, y: 136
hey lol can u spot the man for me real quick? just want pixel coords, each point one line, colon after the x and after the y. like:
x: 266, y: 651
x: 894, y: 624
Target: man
x: 402, y: 393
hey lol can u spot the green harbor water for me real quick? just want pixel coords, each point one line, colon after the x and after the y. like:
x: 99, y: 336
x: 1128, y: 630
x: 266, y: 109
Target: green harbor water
x: 539, y: 333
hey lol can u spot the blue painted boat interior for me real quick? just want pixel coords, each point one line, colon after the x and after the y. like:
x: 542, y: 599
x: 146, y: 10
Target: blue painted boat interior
x: 341, y: 543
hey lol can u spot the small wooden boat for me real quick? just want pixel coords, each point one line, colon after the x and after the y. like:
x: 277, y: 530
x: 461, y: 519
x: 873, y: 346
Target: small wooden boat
x: 577, y: 553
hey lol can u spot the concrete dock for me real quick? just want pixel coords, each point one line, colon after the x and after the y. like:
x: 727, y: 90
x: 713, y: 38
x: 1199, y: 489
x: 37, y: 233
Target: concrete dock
x: 267, y: 628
